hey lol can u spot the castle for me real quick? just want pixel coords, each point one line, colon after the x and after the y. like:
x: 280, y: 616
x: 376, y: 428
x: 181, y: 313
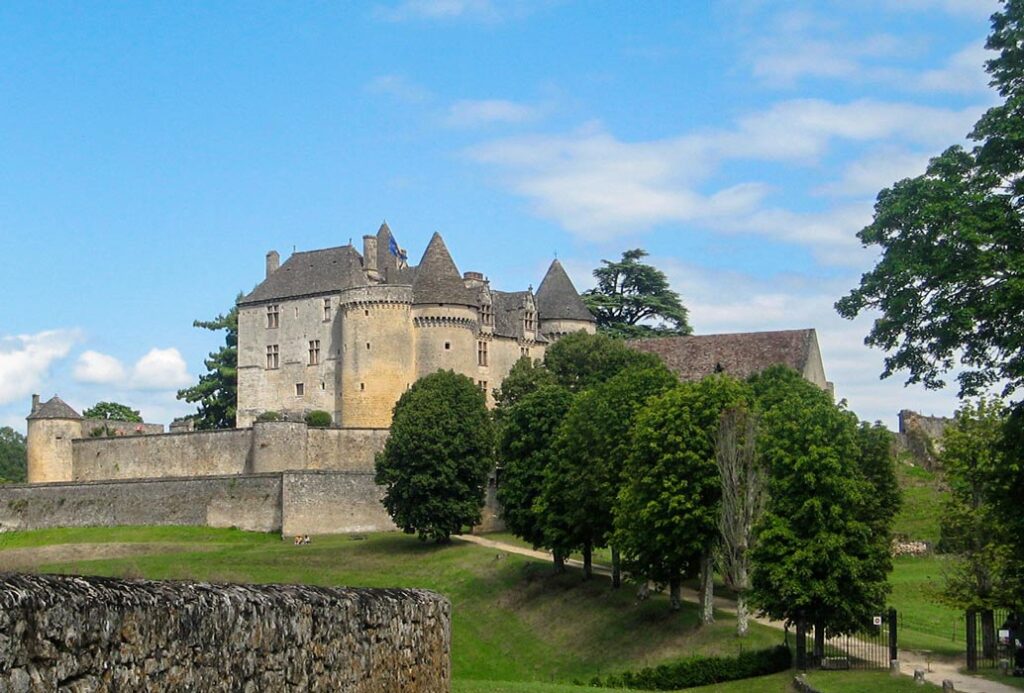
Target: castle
x: 346, y: 333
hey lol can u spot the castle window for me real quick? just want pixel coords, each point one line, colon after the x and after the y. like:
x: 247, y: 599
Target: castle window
x: 486, y: 314
x: 481, y: 353
x: 366, y: 313
x: 362, y: 387
x: 300, y: 389
x: 367, y: 346
x: 529, y: 320
x: 482, y: 384
x: 272, y: 316
x: 272, y: 355
x: 323, y: 385
x: 524, y: 351
x: 327, y: 309
x: 314, y: 352
x: 447, y: 346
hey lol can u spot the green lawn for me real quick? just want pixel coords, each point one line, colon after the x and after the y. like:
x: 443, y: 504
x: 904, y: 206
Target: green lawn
x: 513, y: 620
x: 860, y: 681
x: 923, y: 495
x: 924, y: 623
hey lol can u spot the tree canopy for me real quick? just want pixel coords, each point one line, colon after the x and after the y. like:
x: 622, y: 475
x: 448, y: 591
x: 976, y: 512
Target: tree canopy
x: 580, y: 360
x: 634, y: 299
x: 949, y: 284
x: 435, y: 462
x: 217, y: 389
x: 13, y: 456
x: 112, y: 411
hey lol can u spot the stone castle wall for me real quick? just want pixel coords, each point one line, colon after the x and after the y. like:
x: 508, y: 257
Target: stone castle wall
x: 317, y: 502
x: 93, y: 633
x: 196, y: 453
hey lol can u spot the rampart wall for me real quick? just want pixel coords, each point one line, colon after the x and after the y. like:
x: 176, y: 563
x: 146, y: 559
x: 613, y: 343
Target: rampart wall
x: 93, y: 633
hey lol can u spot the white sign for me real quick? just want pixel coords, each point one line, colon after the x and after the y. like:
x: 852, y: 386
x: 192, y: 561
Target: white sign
x: 1004, y: 636
x: 877, y: 620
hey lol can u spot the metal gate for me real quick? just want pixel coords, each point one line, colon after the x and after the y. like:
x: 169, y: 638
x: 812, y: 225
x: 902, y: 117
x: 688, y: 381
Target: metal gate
x: 872, y: 648
x: 990, y: 635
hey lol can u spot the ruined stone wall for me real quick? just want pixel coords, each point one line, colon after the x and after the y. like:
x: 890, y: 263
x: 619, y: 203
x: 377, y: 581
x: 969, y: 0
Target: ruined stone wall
x: 78, y: 633
x: 196, y: 453
x: 322, y: 502
x: 344, y: 449
x: 251, y: 502
x: 120, y: 428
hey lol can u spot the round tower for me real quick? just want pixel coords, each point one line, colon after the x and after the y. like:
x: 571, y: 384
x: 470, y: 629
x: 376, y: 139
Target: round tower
x: 51, y: 428
x: 561, y: 309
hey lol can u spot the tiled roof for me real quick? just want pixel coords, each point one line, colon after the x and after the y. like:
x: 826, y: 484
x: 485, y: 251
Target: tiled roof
x: 557, y: 298
x: 310, y: 273
x: 56, y: 408
x: 508, y: 320
x: 740, y: 354
x: 437, y: 278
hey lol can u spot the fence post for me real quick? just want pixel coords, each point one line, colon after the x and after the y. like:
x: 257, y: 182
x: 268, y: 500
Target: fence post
x: 801, y: 644
x: 971, y: 636
x: 893, y: 650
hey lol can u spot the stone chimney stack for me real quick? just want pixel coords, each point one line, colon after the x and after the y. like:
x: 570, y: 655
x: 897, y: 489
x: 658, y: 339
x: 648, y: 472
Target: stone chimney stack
x: 370, y: 256
x: 35, y: 403
x: 273, y: 262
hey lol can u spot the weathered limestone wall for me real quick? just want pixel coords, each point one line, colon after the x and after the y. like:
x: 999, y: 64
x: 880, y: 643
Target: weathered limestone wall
x: 251, y: 502
x: 323, y: 502
x: 49, y: 449
x: 75, y: 633
x: 344, y: 449
x: 120, y: 428
x: 197, y: 453
x: 278, y: 445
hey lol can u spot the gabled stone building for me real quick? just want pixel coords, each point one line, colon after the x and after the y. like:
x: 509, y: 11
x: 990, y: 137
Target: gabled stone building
x: 348, y: 333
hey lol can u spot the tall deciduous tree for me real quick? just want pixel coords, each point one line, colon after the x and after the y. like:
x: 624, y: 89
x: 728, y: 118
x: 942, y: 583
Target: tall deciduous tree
x: 13, y: 456
x: 217, y: 390
x: 744, y: 492
x: 666, y: 518
x: 112, y: 411
x: 948, y: 284
x: 634, y: 299
x: 435, y: 463
x: 580, y: 360
x: 526, y: 449
x: 526, y: 376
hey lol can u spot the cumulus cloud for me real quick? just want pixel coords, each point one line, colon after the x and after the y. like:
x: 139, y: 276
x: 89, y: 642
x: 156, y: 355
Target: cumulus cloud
x: 879, y: 168
x: 474, y: 113
x: 94, y: 367
x: 25, y: 360
x: 599, y: 187
x: 158, y: 369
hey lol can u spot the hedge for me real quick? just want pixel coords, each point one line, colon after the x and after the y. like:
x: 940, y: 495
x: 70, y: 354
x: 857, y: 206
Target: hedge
x: 701, y: 671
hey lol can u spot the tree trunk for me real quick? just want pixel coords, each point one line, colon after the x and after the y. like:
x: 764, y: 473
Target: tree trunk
x: 675, y: 600
x: 707, y: 590
x: 819, y: 643
x: 988, y: 634
x: 559, y: 559
x: 588, y: 561
x: 616, y: 569
x: 742, y: 618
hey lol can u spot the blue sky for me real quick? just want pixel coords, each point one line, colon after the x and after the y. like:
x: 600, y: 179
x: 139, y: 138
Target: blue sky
x: 151, y: 153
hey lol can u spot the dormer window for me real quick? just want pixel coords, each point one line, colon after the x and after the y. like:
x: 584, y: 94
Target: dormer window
x: 273, y: 316
x: 529, y: 320
x: 486, y: 315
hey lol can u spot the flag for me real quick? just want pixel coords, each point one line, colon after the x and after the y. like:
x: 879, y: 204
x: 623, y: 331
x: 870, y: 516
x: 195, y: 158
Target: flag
x: 394, y: 249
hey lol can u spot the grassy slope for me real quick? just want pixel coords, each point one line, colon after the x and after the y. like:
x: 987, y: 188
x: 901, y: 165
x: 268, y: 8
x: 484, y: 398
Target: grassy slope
x: 923, y: 495
x: 512, y: 619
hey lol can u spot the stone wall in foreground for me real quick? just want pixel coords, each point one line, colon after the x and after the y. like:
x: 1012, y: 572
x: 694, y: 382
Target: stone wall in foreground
x: 75, y: 633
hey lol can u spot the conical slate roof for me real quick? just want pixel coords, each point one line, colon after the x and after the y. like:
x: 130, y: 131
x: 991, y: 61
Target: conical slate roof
x: 56, y: 408
x: 557, y: 298
x: 438, y: 279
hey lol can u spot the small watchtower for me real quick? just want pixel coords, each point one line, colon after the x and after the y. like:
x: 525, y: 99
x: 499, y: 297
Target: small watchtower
x: 51, y: 428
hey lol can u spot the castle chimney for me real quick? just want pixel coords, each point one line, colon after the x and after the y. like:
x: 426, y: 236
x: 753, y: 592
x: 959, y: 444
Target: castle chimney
x: 35, y: 403
x: 273, y: 262
x: 370, y: 255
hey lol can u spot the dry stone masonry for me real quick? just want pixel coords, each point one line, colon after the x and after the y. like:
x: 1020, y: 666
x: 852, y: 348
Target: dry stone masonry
x: 100, y: 634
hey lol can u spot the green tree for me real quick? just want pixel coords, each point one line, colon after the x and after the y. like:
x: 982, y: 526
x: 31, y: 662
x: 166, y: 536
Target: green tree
x: 578, y: 361
x: 630, y: 295
x: 971, y: 457
x: 435, y: 463
x: 666, y: 518
x: 948, y: 283
x: 815, y: 559
x: 1005, y: 491
x: 876, y: 461
x: 217, y: 389
x: 13, y: 456
x: 592, y: 445
x: 526, y: 375
x: 112, y: 411
x: 526, y: 450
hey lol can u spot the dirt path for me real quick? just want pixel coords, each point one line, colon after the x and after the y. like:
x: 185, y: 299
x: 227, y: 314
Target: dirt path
x: 31, y: 558
x: 935, y: 672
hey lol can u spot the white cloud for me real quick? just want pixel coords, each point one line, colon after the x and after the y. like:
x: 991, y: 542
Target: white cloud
x: 879, y: 168
x: 160, y: 369
x: 398, y: 88
x: 25, y: 360
x: 599, y: 187
x: 964, y: 72
x: 473, y: 113
x: 94, y: 367
x: 969, y: 8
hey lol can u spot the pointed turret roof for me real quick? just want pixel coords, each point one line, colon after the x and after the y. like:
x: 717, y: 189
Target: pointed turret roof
x: 557, y: 298
x: 438, y: 279
x: 56, y: 408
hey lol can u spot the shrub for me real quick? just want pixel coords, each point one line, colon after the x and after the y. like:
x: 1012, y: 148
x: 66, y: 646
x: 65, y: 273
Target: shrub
x: 701, y: 671
x: 318, y: 418
x: 268, y: 416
